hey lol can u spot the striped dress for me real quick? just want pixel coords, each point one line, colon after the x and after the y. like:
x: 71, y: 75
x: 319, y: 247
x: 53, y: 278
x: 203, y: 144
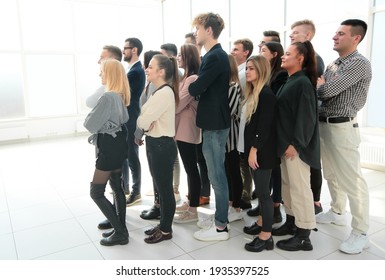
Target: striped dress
x: 234, y: 104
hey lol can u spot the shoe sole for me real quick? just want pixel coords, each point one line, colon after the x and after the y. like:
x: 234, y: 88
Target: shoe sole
x: 252, y: 249
x: 132, y: 203
x: 218, y: 238
x: 185, y: 221
x: 124, y: 242
x: 294, y: 249
x: 334, y: 223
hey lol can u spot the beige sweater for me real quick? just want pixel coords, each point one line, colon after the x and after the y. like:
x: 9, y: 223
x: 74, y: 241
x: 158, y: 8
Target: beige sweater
x: 160, y: 110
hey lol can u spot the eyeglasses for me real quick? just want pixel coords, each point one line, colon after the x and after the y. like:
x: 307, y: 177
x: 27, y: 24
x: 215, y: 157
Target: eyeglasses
x: 128, y: 48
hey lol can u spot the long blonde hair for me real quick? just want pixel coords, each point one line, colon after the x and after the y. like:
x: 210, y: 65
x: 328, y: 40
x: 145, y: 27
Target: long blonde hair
x: 253, y: 88
x: 116, y: 79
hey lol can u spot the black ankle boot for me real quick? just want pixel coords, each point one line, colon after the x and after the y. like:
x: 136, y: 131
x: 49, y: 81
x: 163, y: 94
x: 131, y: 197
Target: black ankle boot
x: 277, y: 218
x: 254, y: 229
x: 108, y: 233
x: 300, y: 241
x: 287, y: 228
x: 115, y: 239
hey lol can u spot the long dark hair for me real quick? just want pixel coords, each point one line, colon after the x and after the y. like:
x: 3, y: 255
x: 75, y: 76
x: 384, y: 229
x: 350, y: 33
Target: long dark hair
x: 170, y: 66
x: 309, y: 64
x: 275, y: 63
x: 191, y: 59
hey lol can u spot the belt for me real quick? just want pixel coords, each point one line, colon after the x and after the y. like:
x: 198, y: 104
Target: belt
x: 335, y: 119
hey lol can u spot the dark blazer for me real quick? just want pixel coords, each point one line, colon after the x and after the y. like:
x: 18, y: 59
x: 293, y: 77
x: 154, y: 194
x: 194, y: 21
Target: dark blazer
x: 260, y: 132
x: 136, y: 79
x: 278, y: 80
x: 212, y: 89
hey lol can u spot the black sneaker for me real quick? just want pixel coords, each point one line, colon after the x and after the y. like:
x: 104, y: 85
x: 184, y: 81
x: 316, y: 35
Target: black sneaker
x: 132, y: 199
x: 244, y: 205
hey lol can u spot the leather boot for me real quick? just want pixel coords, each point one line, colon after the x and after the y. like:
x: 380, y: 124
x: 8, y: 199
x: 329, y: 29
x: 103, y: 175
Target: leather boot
x: 299, y: 242
x: 120, y: 235
x: 287, y: 228
x: 277, y: 218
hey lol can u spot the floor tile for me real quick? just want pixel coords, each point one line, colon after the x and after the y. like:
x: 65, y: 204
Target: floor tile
x: 8, y: 249
x: 48, y: 239
x: 5, y: 223
x: 82, y: 252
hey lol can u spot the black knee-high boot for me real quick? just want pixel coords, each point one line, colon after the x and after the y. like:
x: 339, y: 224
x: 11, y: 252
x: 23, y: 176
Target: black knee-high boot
x: 120, y: 235
x: 300, y: 241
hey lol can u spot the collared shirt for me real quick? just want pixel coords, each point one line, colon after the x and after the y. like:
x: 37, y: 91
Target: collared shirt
x: 346, y: 88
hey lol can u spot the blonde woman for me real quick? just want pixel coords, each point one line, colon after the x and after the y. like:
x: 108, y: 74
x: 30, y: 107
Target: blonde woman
x: 257, y: 139
x: 106, y: 123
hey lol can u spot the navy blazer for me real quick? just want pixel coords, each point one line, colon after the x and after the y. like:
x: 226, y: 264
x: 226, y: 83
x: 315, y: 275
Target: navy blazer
x: 136, y: 79
x: 260, y: 132
x: 212, y: 89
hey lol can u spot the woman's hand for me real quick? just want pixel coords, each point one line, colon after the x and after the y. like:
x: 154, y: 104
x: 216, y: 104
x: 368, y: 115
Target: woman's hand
x: 290, y: 152
x: 253, y: 161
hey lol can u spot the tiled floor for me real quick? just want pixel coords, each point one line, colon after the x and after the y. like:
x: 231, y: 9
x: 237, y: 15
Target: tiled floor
x: 46, y: 213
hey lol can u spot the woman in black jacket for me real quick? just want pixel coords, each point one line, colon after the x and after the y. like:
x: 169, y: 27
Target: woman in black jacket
x: 257, y: 128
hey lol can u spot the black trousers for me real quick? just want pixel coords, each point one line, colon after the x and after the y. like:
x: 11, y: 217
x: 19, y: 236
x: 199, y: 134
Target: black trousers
x: 187, y: 153
x: 234, y: 178
x: 161, y: 154
x: 262, y: 187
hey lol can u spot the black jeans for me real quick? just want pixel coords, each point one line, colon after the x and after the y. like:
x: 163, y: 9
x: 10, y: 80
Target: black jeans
x: 262, y: 176
x: 161, y: 154
x: 276, y: 184
x: 234, y: 178
x: 316, y: 183
x: 205, y: 181
x: 187, y: 153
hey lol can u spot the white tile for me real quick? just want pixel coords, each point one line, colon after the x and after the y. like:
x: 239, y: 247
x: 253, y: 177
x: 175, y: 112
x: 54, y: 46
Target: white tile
x: 7, y: 245
x: 338, y: 255
x: 82, y: 252
x: 185, y: 257
x: 38, y: 215
x: 377, y: 244
x: 48, y: 239
x: 5, y: 223
x: 81, y: 205
x: 137, y: 249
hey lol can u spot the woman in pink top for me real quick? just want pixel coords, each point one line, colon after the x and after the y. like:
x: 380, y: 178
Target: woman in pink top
x: 187, y: 134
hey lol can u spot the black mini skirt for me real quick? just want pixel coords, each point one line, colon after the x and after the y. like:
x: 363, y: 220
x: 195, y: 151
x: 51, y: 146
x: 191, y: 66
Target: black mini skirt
x: 112, y: 150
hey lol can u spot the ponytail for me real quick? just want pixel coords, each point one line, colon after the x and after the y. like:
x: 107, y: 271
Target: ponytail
x: 309, y: 64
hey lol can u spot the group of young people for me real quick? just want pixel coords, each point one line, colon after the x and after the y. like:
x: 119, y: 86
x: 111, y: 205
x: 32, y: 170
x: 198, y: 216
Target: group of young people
x: 268, y: 117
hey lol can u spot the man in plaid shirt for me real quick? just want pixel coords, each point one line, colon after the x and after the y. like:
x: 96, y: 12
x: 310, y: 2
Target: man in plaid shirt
x: 343, y: 91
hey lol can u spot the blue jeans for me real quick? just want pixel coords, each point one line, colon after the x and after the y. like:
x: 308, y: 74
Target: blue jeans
x: 213, y: 149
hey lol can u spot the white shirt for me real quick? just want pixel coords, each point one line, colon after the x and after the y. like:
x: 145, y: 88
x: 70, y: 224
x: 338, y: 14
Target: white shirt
x: 242, y: 77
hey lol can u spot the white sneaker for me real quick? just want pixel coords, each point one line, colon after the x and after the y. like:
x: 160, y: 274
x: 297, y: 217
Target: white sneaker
x: 355, y: 243
x: 182, y: 208
x: 186, y: 217
x: 177, y: 197
x: 331, y: 218
x: 206, y: 223
x: 234, y: 215
x: 211, y: 234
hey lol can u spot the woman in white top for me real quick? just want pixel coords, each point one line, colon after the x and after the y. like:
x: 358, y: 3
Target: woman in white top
x: 157, y: 120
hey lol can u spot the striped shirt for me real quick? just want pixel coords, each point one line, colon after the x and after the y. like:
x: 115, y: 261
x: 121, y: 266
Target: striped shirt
x: 234, y: 103
x: 346, y: 88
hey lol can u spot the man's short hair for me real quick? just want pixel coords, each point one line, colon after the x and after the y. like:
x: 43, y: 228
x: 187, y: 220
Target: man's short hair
x: 273, y: 34
x: 247, y: 45
x: 308, y: 23
x: 114, y: 51
x: 170, y: 49
x: 136, y: 43
x: 191, y: 36
x: 210, y: 20
x: 358, y: 27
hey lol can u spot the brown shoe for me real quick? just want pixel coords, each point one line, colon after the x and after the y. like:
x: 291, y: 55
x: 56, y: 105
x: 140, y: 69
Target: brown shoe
x: 157, y: 237
x: 204, y: 200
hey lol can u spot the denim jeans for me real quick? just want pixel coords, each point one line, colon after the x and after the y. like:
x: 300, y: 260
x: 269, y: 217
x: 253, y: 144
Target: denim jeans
x: 213, y: 149
x: 132, y: 163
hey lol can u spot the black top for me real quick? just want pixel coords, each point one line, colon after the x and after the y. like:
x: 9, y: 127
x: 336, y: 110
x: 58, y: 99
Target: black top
x: 212, y: 89
x: 136, y: 80
x: 297, y: 119
x: 278, y: 80
x: 260, y: 132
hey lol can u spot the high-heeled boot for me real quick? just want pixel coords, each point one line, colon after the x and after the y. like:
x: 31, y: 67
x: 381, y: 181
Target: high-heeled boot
x: 120, y: 235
